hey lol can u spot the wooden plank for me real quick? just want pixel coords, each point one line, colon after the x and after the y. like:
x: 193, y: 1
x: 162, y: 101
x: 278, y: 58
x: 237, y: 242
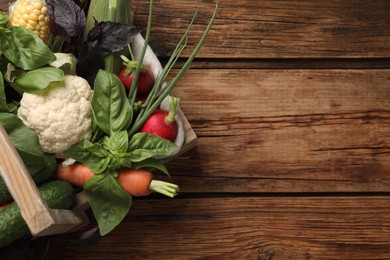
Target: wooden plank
x: 273, y: 28
x: 4, y: 5
x: 247, y: 228
x: 286, y: 131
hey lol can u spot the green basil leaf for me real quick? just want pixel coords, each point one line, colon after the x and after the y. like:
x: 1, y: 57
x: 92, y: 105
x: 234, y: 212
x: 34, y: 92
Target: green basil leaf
x: 111, y: 108
x: 151, y: 163
x: 124, y: 162
x: 37, y: 80
x: 24, y: 48
x: 3, y: 99
x: 3, y: 19
x: 143, y: 146
x: 118, y: 143
x: 92, y: 155
x: 108, y: 201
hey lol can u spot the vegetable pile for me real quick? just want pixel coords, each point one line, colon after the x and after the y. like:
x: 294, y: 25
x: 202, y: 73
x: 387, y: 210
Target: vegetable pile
x: 77, y: 104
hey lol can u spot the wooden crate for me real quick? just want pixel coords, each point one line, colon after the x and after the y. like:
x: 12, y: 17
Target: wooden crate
x: 42, y: 220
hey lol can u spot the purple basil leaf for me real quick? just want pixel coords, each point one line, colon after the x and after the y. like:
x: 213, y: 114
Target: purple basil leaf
x: 66, y: 18
x: 109, y: 37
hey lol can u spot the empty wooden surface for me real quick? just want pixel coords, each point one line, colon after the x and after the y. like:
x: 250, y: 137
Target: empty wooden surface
x: 290, y: 101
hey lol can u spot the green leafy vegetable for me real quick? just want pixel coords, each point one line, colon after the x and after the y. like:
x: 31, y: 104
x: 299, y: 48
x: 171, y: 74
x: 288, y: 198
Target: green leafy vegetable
x: 91, y: 154
x: 112, y: 110
x: 108, y: 201
x: 3, y: 100
x: 24, y: 48
x: 151, y: 163
x: 144, y: 146
x: 37, y: 80
x: 117, y: 143
x: 3, y: 19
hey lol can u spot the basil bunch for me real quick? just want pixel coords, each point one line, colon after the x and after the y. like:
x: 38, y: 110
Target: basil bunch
x: 111, y: 148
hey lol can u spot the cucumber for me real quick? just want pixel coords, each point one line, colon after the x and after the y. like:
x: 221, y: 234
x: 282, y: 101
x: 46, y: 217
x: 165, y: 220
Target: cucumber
x: 57, y: 194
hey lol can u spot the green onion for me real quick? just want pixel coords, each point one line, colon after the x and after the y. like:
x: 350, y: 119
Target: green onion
x: 165, y: 92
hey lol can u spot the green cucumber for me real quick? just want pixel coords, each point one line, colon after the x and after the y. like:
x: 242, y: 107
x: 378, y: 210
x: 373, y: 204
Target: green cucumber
x: 57, y: 194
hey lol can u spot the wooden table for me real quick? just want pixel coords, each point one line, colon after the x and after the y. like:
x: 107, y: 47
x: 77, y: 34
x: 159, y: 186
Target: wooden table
x: 291, y: 104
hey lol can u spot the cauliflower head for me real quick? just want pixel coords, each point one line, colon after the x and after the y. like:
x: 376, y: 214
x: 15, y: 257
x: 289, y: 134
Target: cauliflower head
x: 61, y: 116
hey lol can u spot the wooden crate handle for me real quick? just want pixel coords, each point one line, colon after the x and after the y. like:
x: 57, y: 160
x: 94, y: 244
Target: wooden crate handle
x: 40, y: 219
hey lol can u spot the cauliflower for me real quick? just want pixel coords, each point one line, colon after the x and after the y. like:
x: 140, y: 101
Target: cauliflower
x: 61, y: 116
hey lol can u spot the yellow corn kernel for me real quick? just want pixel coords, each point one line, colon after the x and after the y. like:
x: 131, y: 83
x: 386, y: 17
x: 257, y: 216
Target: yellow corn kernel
x: 30, y: 27
x: 37, y: 12
x: 26, y: 16
x: 21, y: 22
x: 37, y: 5
x: 33, y: 17
x: 33, y: 23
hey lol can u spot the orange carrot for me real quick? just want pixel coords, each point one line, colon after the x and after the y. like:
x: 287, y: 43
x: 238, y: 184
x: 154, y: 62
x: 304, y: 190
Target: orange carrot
x: 76, y: 174
x: 136, y: 182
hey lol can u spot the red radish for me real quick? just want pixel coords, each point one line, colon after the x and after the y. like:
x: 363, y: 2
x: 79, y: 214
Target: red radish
x: 162, y: 123
x: 145, y: 78
x: 136, y: 182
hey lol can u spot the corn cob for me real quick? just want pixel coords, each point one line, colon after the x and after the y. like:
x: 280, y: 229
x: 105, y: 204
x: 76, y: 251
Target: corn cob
x: 31, y: 14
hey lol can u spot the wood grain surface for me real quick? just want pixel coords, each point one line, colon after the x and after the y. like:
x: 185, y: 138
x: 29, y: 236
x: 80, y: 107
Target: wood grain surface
x: 274, y: 28
x: 286, y: 130
x: 290, y: 101
x: 247, y: 228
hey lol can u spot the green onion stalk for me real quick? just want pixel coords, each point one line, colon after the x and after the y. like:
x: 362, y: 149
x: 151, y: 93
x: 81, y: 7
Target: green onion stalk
x: 158, y: 93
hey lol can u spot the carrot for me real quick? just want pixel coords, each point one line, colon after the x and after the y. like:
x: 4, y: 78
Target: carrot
x: 139, y: 182
x: 76, y: 174
x: 136, y: 182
